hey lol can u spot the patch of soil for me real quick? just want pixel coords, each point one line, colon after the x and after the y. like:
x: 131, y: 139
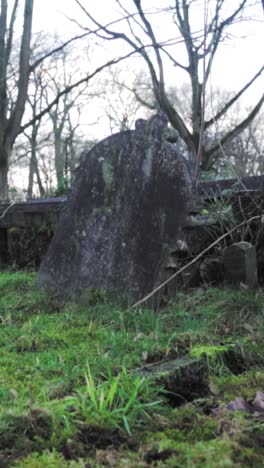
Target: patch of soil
x: 237, y: 363
x: 98, y: 437
x: 91, y: 438
x: 155, y: 455
x: 22, y: 433
x: 180, y: 348
x: 161, y: 356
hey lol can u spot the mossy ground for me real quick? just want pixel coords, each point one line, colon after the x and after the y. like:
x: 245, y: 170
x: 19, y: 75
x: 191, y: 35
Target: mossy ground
x: 69, y: 396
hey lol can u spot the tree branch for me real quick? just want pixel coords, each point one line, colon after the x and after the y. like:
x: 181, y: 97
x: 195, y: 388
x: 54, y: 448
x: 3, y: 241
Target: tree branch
x: 3, y: 84
x: 175, y: 62
x: 17, y: 114
x: 68, y: 89
x: 161, y: 98
x: 54, y: 51
x: 233, y: 100
x: 11, y: 31
x: 152, y: 37
x: 217, y: 34
x: 235, y: 131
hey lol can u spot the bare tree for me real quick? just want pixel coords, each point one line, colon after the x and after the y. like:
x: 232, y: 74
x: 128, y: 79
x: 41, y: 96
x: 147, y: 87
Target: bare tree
x: 120, y: 105
x: 56, y: 134
x: 62, y: 72
x: 200, y: 46
x: 246, y: 152
x: 35, y: 101
x: 12, y: 103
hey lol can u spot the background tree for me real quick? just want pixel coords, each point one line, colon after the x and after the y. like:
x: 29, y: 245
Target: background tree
x: 50, y: 146
x: 120, y: 105
x: 35, y: 101
x: 61, y: 72
x: 10, y: 118
x: 244, y: 155
x: 201, y: 46
x: 17, y: 75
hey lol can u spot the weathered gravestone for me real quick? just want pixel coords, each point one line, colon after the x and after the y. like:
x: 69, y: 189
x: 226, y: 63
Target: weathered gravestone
x: 240, y: 264
x: 128, y: 203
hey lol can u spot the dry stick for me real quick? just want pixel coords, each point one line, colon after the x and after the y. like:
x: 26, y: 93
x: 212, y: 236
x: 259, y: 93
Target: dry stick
x: 8, y: 208
x: 158, y: 288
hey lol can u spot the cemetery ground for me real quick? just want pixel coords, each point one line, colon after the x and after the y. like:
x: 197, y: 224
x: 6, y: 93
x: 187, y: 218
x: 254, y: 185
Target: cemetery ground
x: 70, y: 394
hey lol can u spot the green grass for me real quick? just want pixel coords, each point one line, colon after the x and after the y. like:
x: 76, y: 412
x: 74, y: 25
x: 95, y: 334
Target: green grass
x: 69, y: 395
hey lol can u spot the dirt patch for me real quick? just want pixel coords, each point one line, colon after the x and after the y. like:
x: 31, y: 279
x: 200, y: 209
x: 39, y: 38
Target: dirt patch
x: 91, y: 438
x: 155, y: 455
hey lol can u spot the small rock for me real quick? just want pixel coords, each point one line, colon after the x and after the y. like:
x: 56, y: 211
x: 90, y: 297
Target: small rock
x: 185, y: 379
x: 240, y: 264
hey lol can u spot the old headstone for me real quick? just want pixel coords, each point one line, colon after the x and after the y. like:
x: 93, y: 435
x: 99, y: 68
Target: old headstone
x: 240, y: 264
x: 128, y: 204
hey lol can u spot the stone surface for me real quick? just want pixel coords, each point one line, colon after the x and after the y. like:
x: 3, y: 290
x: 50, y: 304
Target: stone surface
x: 130, y: 199
x: 240, y: 264
x: 184, y: 378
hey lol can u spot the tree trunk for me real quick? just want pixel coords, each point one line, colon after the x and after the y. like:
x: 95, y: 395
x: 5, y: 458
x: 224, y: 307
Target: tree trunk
x: 4, y: 158
x: 59, y: 160
x: 33, y: 169
x: 72, y: 158
x: 39, y: 181
x: 3, y: 183
x: 31, y: 177
x: 10, y: 124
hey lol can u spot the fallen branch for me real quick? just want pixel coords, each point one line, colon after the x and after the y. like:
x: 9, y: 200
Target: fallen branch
x: 8, y: 208
x: 177, y: 273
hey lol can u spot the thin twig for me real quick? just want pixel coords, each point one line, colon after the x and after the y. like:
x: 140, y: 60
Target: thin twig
x: 158, y: 288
